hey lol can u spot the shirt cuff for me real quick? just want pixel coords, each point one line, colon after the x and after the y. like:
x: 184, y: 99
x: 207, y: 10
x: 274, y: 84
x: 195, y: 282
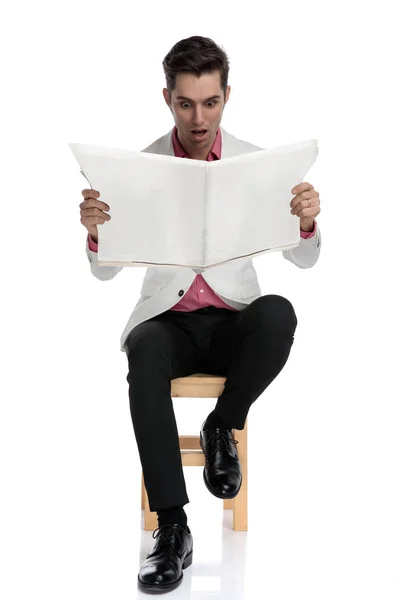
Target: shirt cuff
x: 307, y: 234
x: 92, y: 244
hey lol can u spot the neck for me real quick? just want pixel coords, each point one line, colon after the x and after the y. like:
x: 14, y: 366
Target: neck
x: 199, y: 155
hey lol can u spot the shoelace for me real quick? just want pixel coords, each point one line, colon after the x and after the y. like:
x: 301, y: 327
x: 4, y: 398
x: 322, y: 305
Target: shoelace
x: 165, y: 534
x: 221, y: 442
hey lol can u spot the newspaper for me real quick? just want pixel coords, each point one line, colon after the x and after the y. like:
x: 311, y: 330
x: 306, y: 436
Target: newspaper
x: 173, y: 211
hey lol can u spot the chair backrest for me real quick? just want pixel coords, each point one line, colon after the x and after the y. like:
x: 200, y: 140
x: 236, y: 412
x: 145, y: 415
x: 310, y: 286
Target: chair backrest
x: 198, y: 385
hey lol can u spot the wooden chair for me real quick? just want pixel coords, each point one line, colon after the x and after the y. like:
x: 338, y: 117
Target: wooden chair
x: 202, y: 385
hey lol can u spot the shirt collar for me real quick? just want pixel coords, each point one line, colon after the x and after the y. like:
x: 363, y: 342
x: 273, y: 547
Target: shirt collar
x: 215, y: 152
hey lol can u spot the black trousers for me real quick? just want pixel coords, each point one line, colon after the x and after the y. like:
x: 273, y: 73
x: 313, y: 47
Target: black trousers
x: 249, y: 348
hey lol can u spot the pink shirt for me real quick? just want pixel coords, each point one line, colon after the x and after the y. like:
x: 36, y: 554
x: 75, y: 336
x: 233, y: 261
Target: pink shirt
x: 200, y: 294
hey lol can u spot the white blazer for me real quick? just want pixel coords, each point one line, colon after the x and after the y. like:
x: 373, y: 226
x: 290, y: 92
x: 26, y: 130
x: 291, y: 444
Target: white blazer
x: 235, y: 282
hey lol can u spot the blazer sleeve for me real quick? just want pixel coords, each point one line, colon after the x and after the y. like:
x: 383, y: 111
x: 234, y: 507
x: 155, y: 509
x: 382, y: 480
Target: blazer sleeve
x: 100, y: 272
x: 306, y: 254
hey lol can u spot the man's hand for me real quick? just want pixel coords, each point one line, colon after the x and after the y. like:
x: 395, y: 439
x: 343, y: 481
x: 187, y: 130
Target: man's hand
x: 93, y: 212
x: 305, y: 205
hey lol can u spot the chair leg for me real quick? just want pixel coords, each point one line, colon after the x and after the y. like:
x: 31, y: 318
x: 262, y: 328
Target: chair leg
x: 150, y: 518
x: 143, y: 492
x: 240, y: 502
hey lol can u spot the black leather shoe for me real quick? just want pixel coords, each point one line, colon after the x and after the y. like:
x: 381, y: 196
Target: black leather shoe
x: 172, y: 552
x: 222, y: 474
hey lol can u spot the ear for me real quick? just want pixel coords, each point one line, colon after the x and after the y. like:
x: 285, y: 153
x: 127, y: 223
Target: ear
x: 166, y: 96
x: 228, y: 91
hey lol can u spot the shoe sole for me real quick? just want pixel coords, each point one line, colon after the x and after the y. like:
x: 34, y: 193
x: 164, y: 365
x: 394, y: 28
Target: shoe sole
x: 160, y: 588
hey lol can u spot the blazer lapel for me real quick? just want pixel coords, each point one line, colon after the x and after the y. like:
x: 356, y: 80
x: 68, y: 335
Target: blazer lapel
x: 166, y: 147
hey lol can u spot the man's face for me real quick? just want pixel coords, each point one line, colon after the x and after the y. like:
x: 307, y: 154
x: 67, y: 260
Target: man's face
x: 197, y: 103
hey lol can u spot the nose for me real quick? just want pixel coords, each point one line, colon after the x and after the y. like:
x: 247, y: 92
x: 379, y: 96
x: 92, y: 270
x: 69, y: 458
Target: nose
x: 198, y: 117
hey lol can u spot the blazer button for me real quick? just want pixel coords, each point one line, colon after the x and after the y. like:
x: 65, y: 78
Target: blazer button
x: 181, y: 292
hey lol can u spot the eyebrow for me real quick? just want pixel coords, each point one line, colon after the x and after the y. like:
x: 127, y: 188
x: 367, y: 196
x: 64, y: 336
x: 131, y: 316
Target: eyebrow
x: 216, y: 97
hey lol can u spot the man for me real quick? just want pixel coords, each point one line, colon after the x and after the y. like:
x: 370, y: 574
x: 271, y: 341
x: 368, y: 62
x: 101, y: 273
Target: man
x: 187, y: 322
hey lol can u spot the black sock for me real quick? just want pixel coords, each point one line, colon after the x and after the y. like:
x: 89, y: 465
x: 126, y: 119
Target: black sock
x: 174, y: 514
x: 214, y: 420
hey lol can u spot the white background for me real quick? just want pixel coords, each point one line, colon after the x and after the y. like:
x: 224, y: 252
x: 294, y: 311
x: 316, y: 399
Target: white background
x: 324, y: 444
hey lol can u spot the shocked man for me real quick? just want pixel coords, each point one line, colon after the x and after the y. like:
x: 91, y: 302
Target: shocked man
x: 191, y: 320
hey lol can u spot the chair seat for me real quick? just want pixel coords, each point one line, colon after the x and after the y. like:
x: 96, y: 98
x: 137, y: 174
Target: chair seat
x: 204, y: 385
x: 198, y: 385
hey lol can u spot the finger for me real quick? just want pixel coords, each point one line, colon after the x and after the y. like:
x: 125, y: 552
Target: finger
x: 298, y: 203
x: 309, y: 195
x: 92, y: 195
x: 304, y: 212
x: 303, y: 204
x: 302, y: 187
x: 313, y: 211
x: 89, y: 193
x: 95, y: 212
x: 92, y: 202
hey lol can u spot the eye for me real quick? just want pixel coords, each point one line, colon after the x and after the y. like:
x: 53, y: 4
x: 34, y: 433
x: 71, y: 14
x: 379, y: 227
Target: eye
x: 188, y: 104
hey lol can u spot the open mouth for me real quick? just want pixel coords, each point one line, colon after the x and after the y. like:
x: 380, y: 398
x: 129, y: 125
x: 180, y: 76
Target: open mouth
x: 199, y: 134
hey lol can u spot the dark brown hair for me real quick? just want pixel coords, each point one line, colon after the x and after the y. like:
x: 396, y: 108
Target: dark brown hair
x: 195, y: 55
